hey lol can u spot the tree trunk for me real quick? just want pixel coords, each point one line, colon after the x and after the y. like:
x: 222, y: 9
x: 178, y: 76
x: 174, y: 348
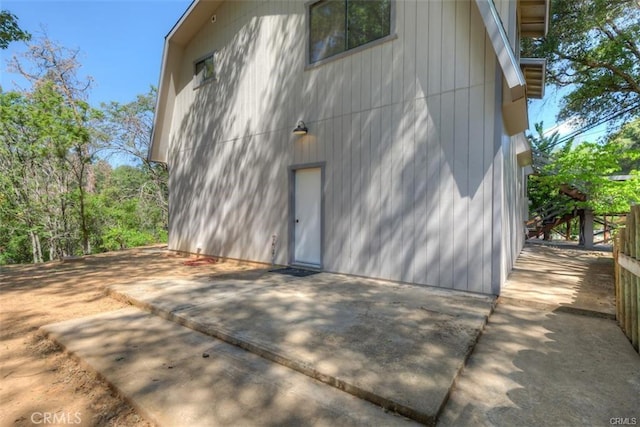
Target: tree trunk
x: 83, y: 224
x: 36, y: 250
x: 581, y: 240
x: 39, y: 248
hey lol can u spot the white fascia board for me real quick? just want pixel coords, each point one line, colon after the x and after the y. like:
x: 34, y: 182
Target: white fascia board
x: 506, y: 57
x: 524, y: 154
x: 159, y: 132
x: 181, y: 20
x: 547, y: 16
x: 157, y: 152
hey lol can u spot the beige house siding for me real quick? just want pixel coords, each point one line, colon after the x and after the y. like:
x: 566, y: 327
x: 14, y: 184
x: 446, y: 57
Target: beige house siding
x: 419, y: 180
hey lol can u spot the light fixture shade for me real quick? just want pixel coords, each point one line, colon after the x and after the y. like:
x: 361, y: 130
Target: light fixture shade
x: 301, y: 129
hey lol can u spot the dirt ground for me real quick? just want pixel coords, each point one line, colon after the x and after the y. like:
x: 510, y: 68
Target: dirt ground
x: 38, y: 381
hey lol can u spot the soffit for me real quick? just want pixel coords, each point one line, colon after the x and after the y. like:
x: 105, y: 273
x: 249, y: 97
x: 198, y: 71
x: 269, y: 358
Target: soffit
x: 198, y: 13
x: 534, y: 70
x: 534, y: 17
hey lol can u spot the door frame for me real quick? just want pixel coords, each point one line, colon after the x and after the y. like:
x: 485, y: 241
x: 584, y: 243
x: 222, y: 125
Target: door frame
x: 292, y: 211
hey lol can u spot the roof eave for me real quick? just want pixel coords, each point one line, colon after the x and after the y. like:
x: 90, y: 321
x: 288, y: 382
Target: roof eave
x: 534, y: 18
x: 191, y: 21
x: 534, y: 70
x: 513, y: 76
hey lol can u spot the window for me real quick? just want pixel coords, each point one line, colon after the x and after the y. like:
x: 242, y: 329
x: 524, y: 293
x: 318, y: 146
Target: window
x: 336, y: 26
x: 203, y: 70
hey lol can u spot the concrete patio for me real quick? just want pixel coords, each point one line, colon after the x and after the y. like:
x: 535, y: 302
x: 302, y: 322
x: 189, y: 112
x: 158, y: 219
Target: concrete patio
x: 261, y: 348
x: 395, y: 345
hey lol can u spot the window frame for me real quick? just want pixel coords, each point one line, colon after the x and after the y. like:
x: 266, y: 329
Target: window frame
x: 197, y: 84
x: 307, y: 54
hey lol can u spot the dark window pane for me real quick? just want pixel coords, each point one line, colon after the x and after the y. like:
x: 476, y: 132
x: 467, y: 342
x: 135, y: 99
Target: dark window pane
x: 327, y: 29
x: 204, y: 70
x: 368, y: 20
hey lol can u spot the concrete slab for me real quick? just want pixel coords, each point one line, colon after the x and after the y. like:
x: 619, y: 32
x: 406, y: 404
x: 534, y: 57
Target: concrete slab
x: 550, y: 354
x: 159, y: 366
x: 399, y: 346
x: 535, y: 368
x: 565, y: 279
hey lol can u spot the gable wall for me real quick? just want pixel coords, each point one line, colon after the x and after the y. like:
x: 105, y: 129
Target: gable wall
x: 406, y: 129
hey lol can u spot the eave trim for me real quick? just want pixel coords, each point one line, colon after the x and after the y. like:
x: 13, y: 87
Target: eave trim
x: 506, y: 57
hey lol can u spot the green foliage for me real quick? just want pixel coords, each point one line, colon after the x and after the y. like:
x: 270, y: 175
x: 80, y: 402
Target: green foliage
x: 593, y: 48
x: 542, y: 193
x: 57, y: 198
x: 591, y: 168
x: 627, y: 139
x: 9, y: 29
x: 121, y: 238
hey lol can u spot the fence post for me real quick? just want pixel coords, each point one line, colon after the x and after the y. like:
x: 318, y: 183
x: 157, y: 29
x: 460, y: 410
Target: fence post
x: 617, y: 274
x: 628, y: 295
x: 626, y: 253
x: 635, y: 284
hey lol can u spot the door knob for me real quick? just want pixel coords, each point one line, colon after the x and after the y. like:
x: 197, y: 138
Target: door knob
x: 297, y: 221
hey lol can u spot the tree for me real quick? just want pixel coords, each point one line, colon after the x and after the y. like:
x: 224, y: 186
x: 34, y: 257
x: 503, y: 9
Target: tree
x: 593, y: 48
x: 9, y: 30
x: 39, y: 198
x: 126, y: 132
x: 627, y: 139
x: 48, y: 63
x: 587, y: 167
x: 126, y: 218
x: 57, y: 197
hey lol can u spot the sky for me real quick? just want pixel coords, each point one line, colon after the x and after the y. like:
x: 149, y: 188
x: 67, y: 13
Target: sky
x: 120, y: 41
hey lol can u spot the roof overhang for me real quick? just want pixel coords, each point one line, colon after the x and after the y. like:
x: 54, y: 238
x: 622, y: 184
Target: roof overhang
x: 534, y: 70
x: 524, y: 153
x: 506, y: 57
x: 197, y: 14
x: 514, y: 106
x: 534, y: 18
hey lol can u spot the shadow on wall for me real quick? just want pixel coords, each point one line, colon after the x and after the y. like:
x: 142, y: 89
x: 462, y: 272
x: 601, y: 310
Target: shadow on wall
x: 539, y: 367
x: 423, y: 197
x: 409, y: 179
x: 230, y: 166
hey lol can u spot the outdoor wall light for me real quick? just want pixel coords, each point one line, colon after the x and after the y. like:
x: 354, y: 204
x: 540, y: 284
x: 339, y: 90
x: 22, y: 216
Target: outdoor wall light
x: 301, y: 129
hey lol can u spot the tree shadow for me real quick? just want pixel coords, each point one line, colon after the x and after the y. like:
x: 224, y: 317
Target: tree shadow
x: 542, y: 364
x: 414, y: 169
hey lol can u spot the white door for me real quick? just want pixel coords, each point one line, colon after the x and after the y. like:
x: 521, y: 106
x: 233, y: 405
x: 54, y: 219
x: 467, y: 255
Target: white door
x: 308, y: 216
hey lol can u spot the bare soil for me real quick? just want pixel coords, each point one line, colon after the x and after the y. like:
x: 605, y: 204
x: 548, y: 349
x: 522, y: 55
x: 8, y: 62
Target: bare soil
x: 39, y: 382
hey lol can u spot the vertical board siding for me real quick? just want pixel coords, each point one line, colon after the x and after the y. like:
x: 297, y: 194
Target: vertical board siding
x: 461, y: 194
x: 421, y: 171
x: 446, y: 189
x: 397, y: 63
x: 422, y: 49
x: 446, y: 54
x: 406, y: 130
x: 463, y: 41
x: 409, y: 50
x: 435, y: 156
x: 476, y: 212
x: 435, y: 48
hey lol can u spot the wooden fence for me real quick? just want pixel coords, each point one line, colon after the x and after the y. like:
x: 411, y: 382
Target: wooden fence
x: 626, y: 255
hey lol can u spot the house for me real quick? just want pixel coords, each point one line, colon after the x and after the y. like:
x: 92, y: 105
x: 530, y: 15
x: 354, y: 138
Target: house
x: 408, y: 162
